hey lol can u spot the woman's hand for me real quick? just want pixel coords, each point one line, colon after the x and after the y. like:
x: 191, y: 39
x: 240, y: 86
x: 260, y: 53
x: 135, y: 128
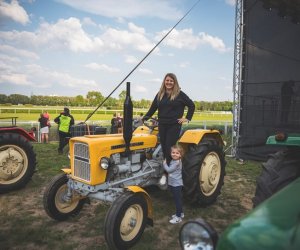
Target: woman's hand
x: 182, y: 120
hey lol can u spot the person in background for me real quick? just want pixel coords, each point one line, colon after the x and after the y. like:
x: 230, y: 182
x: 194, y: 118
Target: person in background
x: 170, y: 102
x: 46, y: 115
x: 32, y: 132
x: 65, y: 120
x: 175, y: 182
x: 120, y: 123
x: 138, y: 121
x: 114, y: 124
x: 44, y: 129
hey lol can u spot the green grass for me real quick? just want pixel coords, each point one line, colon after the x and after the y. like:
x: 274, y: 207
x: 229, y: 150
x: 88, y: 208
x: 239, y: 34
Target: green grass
x: 28, y: 115
x: 107, y: 117
x: 25, y: 225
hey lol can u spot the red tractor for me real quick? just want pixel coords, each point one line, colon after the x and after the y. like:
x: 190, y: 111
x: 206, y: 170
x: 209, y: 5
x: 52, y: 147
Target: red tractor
x: 17, y: 157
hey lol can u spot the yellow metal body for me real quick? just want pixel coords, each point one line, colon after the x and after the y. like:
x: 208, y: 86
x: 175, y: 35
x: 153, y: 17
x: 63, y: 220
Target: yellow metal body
x: 145, y: 130
x: 196, y: 135
x: 104, y: 146
x: 66, y: 170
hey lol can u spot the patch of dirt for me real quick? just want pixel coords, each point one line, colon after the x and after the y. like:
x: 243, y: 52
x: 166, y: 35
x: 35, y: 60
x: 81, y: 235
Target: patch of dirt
x: 86, y: 230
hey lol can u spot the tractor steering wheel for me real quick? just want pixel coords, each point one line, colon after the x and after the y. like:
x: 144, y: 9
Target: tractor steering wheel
x: 151, y: 123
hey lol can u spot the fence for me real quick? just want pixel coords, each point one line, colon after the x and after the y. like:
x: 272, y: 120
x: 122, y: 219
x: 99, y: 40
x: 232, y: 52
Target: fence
x: 226, y: 127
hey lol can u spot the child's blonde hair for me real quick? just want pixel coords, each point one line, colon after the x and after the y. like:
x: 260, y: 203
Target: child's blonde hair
x: 179, y: 148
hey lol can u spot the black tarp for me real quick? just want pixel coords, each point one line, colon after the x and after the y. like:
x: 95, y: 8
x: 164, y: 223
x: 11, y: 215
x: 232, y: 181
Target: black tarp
x: 270, y: 87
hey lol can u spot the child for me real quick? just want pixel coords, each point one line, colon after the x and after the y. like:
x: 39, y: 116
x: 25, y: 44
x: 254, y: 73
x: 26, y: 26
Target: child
x: 175, y: 181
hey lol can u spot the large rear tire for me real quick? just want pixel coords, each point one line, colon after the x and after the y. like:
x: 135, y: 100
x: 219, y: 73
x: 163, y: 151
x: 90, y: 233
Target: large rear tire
x: 280, y: 169
x: 56, y: 203
x: 125, y: 221
x: 17, y: 162
x: 203, y: 172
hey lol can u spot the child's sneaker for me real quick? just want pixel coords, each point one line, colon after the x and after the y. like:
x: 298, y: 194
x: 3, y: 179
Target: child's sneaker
x: 175, y: 220
x: 163, y: 180
x: 182, y: 215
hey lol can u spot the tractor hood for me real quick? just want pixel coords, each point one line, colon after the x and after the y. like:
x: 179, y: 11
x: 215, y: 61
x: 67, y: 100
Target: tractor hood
x: 115, y: 143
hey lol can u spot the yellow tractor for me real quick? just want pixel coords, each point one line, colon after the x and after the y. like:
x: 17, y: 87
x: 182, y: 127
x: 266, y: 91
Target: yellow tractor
x: 116, y: 168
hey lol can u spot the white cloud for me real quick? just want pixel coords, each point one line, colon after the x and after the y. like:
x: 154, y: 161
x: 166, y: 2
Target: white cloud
x: 180, y: 39
x: 230, y: 2
x: 43, y: 77
x: 117, y: 39
x: 140, y: 89
x: 145, y: 71
x: 8, y: 61
x: 184, y: 64
x: 215, y: 42
x: 135, y: 29
x: 185, y: 39
x: 68, y: 32
x: 88, y: 21
x: 131, y: 59
x: 64, y: 34
x: 127, y: 8
x: 96, y: 66
x: 15, y: 79
x: 156, y: 80
x: 14, y: 11
x: 9, y: 50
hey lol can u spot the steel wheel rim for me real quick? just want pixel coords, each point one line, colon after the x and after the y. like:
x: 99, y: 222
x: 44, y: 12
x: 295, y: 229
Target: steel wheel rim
x: 61, y: 204
x: 210, y: 173
x: 13, y: 164
x: 131, y: 222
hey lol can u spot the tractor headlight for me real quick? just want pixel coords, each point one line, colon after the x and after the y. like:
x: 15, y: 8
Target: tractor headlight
x: 104, y: 163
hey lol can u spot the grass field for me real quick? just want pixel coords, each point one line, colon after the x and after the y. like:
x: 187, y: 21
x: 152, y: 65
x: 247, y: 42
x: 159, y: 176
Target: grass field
x: 27, y: 114
x: 25, y: 225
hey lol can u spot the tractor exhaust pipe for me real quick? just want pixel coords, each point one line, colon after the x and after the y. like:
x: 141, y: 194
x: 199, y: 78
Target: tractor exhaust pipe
x: 128, y: 111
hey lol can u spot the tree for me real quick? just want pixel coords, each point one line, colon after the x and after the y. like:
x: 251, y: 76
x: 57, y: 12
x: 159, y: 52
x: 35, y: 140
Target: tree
x: 79, y: 101
x: 94, y: 98
x: 3, y: 99
x: 19, y: 99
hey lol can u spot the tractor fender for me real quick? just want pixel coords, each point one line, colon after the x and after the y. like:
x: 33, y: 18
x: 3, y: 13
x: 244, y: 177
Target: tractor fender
x: 18, y: 130
x: 137, y: 189
x: 66, y: 170
x: 195, y: 136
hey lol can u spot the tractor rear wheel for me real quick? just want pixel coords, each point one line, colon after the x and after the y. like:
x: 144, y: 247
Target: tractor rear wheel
x: 280, y: 169
x: 203, y: 172
x: 17, y: 162
x: 57, y: 204
x: 125, y: 221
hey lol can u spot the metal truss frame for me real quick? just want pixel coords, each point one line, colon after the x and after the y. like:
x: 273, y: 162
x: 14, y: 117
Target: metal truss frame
x: 237, y: 74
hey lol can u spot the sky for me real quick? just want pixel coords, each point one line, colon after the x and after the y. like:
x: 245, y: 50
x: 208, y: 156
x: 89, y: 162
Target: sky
x: 71, y: 47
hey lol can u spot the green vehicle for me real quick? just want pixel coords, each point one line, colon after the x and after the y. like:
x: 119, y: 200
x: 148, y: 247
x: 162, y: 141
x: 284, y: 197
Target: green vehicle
x: 274, y: 224
x: 281, y: 168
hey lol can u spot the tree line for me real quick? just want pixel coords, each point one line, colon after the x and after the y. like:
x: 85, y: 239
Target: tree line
x: 94, y: 98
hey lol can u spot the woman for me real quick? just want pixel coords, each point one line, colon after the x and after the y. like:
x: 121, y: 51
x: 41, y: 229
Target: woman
x: 44, y: 129
x: 170, y: 102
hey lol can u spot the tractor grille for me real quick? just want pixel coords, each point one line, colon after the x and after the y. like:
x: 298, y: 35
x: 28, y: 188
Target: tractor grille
x: 82, y: 161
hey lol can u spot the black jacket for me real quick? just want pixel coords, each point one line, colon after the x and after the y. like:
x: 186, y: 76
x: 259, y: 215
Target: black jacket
x: 170, y: 111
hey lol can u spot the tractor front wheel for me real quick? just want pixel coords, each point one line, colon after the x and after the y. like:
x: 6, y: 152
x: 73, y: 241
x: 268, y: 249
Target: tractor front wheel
x: 203, y: 172
x: 58, y: 204
x: 126, y: 220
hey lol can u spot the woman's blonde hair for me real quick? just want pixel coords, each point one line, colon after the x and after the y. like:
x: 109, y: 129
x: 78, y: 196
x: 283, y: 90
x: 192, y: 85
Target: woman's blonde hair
x: 179, y: 148
x: 175, y: 91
